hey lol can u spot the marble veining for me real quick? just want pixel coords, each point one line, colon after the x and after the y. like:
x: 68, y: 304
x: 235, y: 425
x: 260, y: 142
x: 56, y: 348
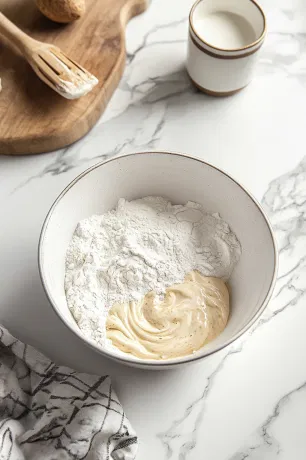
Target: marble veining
x: 249, y: 400
x: 285, y: 203
x: 179, y: 445
x: 263, y: 443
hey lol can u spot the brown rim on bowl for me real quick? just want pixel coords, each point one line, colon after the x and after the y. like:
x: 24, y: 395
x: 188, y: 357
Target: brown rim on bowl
x: 228, y: 50
x: 153, y: 363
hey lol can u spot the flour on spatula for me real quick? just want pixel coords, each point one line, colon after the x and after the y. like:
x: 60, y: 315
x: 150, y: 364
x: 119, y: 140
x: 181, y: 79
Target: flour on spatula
x: 141, y: 246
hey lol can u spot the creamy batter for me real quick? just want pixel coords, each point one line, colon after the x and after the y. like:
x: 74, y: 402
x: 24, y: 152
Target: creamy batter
x: 190, y: 315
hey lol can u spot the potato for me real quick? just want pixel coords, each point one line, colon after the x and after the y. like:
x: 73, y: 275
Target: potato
x: 62, y: 10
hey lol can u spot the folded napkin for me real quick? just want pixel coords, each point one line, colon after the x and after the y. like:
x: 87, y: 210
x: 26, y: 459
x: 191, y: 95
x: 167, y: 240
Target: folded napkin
x: 50, y: 412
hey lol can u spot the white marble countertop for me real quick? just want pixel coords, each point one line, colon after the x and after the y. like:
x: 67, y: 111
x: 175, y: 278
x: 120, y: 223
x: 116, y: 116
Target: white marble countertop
x: 250, y: 400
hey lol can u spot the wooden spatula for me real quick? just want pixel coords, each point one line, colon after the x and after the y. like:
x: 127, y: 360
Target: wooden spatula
x: 57, y: 70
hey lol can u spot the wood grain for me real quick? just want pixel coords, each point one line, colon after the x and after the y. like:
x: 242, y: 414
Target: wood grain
x: 35, y: 119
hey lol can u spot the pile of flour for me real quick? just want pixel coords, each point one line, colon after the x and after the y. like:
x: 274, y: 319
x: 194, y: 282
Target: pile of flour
x: 141, y: 246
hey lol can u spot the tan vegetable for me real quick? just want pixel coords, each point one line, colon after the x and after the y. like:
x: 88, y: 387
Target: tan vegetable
x: 62, y: 10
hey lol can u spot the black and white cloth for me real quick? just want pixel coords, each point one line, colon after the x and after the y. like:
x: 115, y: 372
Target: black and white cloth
x: 50, y: 412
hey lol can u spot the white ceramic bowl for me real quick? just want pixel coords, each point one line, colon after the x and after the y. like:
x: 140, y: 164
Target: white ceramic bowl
x: 179, y: 178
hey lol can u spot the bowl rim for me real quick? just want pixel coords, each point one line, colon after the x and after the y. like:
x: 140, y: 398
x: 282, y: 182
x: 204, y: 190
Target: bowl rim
x: 146, y: 362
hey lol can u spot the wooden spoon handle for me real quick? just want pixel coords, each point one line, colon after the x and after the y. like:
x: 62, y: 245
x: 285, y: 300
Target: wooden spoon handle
x: 15, y: 35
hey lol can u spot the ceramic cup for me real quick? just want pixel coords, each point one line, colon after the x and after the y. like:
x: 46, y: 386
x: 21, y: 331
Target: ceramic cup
x: 224, y: 39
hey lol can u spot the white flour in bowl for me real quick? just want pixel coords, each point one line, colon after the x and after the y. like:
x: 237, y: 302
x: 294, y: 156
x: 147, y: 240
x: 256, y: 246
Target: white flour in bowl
x: 141, y: 246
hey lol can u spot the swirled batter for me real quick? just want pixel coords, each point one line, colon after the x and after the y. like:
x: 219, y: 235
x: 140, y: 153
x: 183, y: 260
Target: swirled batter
x: 190, y: 315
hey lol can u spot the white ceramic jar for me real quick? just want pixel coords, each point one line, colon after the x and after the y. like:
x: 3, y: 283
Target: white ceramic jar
x: 224, y: 39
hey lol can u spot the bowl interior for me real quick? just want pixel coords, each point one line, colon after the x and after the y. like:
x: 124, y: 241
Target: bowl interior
x: 180, y: 179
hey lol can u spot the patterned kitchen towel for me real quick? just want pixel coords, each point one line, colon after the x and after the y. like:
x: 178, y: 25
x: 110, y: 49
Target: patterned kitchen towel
x: 50, y: 412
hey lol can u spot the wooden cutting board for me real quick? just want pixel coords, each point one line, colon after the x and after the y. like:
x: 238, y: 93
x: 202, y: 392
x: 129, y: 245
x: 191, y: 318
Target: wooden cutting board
x: 35, y: 119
